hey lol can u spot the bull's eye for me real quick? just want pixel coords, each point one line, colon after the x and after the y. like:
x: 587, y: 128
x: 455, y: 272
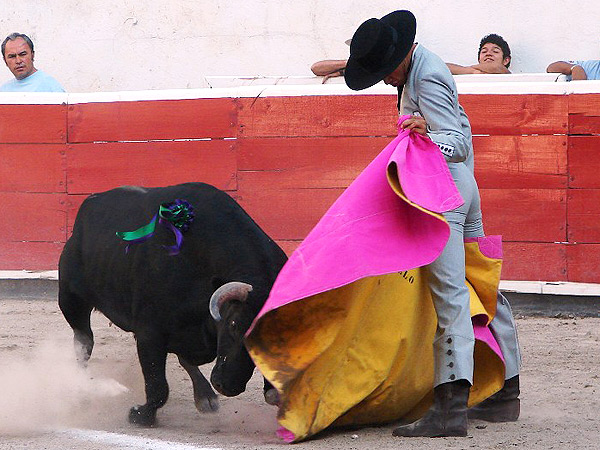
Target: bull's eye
x: 233, y: 325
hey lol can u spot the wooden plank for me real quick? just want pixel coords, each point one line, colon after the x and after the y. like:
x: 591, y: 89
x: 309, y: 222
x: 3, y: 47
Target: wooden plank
x: 32, y: 168
x: 152, y: 120
x: 588, y: 104
x: 584, y: 114
x: 521, y: 162
x: 99, y: 167
x: 580, y: 124
x: 584, y: 161
x: 375, y: 115
x: 73, y: 204
x: 33, y: 124
x: 525, y: 215
x: 534, y: 261
x: 289, y: 246
x: 516, y: 114
x: 29, y: 255
x: 322, y: 115
x: 305, y: 162
x: 583, y: 261
x: 32, y: 217
x: 286, y: 214
x: 583, y: 215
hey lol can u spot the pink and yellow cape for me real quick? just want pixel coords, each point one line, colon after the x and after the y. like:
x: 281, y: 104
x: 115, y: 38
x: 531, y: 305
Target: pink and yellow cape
x: 346, y: 335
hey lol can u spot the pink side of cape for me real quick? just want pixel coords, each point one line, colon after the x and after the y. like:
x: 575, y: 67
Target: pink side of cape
x: 369, y: 230
x: 484, y: 334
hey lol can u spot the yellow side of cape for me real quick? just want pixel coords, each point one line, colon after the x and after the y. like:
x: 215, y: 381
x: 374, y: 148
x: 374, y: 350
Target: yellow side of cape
x: 363, y: 353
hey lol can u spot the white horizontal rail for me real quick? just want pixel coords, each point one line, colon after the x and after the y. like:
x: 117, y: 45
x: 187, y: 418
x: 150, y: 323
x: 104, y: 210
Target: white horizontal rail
x: 253, y: 87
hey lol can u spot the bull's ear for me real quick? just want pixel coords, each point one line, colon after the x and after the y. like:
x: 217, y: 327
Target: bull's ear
x: 234, y: 290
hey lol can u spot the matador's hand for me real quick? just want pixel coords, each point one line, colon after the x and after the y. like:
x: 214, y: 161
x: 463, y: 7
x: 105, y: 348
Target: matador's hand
x: 416, y: 124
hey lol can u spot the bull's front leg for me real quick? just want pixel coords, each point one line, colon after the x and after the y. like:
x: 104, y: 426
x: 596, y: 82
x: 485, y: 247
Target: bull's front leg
x: 204, y: 397
x: 152, y: 354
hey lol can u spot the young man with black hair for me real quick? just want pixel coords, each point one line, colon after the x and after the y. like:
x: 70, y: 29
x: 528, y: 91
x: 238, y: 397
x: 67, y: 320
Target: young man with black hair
x: 493, y: 57
x: 384, y: 49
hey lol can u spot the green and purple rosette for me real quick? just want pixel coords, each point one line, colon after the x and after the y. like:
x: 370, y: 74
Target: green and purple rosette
x: 176, y: 216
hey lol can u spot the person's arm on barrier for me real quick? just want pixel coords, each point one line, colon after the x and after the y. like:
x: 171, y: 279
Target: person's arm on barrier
x: 457, y: 69
x: 490, y: 67
x: 329, y: 68
x: 567, y: 68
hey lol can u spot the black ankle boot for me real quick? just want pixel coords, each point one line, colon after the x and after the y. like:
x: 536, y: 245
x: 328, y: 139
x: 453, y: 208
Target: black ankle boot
x: 446, y: 417
x: 503, y: 406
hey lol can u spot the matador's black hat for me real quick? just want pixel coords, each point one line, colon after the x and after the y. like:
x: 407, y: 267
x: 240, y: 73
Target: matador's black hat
x: 377, y: 47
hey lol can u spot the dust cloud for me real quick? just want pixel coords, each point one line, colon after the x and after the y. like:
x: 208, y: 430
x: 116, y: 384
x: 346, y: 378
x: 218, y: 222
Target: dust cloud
x: 47, y: 388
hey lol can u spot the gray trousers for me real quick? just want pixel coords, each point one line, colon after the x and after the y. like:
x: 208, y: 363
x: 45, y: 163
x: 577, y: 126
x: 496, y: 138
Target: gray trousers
x: 454, y: 340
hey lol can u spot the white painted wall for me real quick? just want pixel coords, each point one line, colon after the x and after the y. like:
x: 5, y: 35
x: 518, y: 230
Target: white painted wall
x: 114, y: 45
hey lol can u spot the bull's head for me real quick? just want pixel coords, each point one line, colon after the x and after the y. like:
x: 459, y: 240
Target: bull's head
x: 233, y: 316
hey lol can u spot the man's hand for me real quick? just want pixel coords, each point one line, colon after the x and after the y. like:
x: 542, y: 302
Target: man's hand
x: 416, y: 124
x: 337, y: 73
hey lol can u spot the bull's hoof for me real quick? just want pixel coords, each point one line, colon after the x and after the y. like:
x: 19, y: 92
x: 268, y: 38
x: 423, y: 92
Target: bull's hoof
x: 207, y: 404
x: 142, y: 415
x: 272, y: 397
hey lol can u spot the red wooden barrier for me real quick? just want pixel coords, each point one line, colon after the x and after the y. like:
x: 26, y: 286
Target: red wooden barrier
x: 340, y: 115
x: 521, y: 162
x: 583, y: 216
x: 297, y: 162
x: 152, y: 120
x: 286, y: 213
x: 32, y: 168
x: 33, y: 217
x: 33, y: 124
x: 544, y: 261
x: 33, y: 255
x: 525, y: 215
x: 516, y: 114
x: 290, y: 158
x: 99, y: 167
x: 584, y: 114
x: 583, y: 161
x: 583, y: 261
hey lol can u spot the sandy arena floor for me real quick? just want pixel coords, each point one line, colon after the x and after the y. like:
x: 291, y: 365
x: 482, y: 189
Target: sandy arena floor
x: 46, y: 402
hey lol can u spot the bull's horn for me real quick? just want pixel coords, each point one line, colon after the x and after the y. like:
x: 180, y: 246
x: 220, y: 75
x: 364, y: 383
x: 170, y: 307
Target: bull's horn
x: 234, y: 290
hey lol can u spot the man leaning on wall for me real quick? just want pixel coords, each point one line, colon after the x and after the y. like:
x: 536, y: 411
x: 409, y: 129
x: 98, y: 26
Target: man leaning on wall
x: 493, y: 57
x: 18, y: 54
x: 577, y: 70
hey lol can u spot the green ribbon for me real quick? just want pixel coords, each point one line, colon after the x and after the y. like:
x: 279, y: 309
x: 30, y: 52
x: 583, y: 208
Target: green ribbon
x: 176, y: 216
x: 141, y: 233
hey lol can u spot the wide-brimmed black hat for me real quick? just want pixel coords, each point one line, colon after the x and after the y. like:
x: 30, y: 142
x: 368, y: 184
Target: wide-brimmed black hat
x: 377, y: 47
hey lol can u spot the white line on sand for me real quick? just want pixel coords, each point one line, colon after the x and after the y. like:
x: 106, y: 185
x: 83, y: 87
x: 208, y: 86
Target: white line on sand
x: 126, y: 441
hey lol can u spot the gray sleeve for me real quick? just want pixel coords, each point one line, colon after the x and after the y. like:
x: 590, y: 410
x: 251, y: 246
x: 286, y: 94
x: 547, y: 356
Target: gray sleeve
x: 439, y: 106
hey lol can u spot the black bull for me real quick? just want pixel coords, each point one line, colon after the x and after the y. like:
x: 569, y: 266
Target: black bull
x: 163, y: 299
